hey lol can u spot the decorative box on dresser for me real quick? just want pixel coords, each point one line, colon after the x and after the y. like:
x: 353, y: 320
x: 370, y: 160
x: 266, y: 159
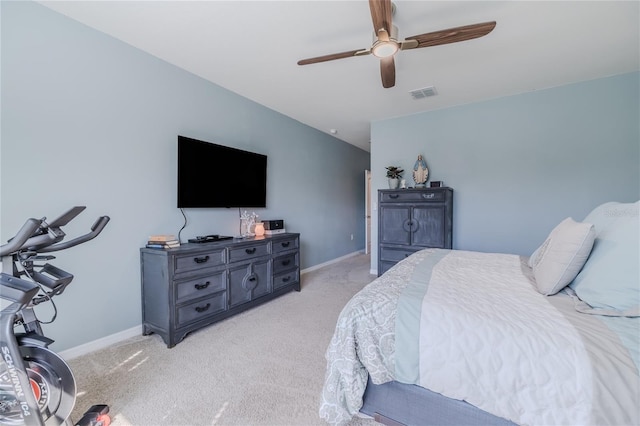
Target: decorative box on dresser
x: 410, y: 220
x: 194, y: 285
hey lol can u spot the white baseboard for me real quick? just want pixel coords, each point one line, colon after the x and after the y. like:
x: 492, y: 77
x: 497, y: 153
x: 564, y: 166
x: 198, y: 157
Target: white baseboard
x: 101, y: 343
x: 137, y: 330
x: 336, y: 260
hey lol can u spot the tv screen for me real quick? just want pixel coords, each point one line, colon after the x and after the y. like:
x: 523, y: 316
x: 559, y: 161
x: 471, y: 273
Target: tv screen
x: 211, y: 175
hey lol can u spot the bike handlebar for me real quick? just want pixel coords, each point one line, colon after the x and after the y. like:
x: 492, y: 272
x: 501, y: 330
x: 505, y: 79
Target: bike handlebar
x: 97, y: 227
x: 17, y: 242
x: 36, y: 235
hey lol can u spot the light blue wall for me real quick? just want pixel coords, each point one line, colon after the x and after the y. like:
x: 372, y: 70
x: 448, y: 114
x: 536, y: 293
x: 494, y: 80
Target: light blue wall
x: 519, y: 165
x: 89, y: 120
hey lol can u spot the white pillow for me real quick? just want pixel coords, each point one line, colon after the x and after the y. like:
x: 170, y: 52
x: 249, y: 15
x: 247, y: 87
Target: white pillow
x: 563, y: 254
x: 609, y: 283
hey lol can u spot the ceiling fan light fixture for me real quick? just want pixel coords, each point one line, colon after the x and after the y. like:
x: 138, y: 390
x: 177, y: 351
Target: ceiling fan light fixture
x: 385, y: 44
x: 384, y: 49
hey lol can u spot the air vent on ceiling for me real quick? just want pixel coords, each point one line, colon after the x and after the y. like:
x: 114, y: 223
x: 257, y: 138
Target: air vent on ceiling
x: 425, y: 92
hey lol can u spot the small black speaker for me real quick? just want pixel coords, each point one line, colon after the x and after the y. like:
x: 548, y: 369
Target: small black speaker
x: 271, y: 225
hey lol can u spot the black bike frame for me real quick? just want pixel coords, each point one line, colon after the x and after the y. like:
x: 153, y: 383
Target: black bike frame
x: 20, y: 293
x: 36, y: 236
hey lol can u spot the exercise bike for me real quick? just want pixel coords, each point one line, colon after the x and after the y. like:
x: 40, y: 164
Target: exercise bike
x: 37, y: 387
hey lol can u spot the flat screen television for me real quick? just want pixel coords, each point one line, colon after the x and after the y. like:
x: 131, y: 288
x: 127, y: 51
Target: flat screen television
x: 211, y: 175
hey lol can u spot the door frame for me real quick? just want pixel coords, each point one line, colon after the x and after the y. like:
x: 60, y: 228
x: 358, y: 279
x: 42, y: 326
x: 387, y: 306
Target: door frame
x: 367, y: 212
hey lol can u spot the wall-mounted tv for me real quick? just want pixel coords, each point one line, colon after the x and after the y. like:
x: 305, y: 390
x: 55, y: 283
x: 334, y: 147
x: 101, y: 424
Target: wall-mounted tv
x: 211, y: 175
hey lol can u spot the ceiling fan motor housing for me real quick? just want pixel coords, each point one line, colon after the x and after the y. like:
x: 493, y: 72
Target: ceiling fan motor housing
x: 386, y: 48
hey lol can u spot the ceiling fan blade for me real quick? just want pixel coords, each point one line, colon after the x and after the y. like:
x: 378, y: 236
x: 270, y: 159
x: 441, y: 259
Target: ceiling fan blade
x: 451, y: 35
x: 388, y: 72
x: 333, y: 56
x: 381, y: 11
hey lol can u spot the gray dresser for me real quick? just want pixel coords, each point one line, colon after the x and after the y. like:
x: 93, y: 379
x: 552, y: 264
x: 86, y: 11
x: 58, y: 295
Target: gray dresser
x: 189, y: 287
x: 410, y: 220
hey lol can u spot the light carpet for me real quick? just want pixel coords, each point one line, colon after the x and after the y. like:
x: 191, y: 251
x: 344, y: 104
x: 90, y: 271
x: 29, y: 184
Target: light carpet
x: 265, y: 366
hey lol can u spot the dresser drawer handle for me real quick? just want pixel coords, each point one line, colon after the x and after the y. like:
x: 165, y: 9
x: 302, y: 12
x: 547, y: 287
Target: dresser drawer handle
x: 394, y: 195
x: 286, y: 279
x: 250, y: 250
x: 250, y: 282
x: 286, y: 262
x: 202, y: 286
x: 201, y: 259
x: 286, y: 244
x: 410, y: 225
x: 201, y: 309
x: 429, y: 195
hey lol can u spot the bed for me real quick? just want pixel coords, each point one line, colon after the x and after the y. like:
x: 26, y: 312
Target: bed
x: 461, y: 337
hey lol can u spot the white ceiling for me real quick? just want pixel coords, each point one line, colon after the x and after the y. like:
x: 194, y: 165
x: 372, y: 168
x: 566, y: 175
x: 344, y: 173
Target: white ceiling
x: 251, y: 48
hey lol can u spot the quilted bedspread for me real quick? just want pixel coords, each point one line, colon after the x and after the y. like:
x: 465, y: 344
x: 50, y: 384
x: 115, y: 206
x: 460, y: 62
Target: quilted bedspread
x: 471, y: 326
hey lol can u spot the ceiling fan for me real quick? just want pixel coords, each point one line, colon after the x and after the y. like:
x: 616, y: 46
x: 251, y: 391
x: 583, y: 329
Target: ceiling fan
x: 386, y: 44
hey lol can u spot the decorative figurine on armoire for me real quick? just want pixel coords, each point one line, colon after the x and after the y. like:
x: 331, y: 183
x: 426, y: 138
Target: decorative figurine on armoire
x: 420, y: 172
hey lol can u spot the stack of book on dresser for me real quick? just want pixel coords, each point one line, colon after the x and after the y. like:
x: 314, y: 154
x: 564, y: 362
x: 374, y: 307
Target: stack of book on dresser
x: 163, y: 242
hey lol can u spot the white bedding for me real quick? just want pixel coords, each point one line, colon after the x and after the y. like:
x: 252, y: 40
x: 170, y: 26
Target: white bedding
x: 472, y: 327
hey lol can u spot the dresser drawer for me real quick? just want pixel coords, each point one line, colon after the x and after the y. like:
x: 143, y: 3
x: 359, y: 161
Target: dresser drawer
x: 425, y: 195
x: 200, y: 287
x: 384, y: 267
x: 394, y: 254
x: 201, y: 309
x: 284, y: 245
x: 286, y: 278
x: 248, y: 252
x: 199, y: 261
x: 283, y: 263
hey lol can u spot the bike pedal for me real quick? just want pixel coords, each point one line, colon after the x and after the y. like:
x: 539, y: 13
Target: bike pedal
x: 95, y: 416
x: 98, y: 409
